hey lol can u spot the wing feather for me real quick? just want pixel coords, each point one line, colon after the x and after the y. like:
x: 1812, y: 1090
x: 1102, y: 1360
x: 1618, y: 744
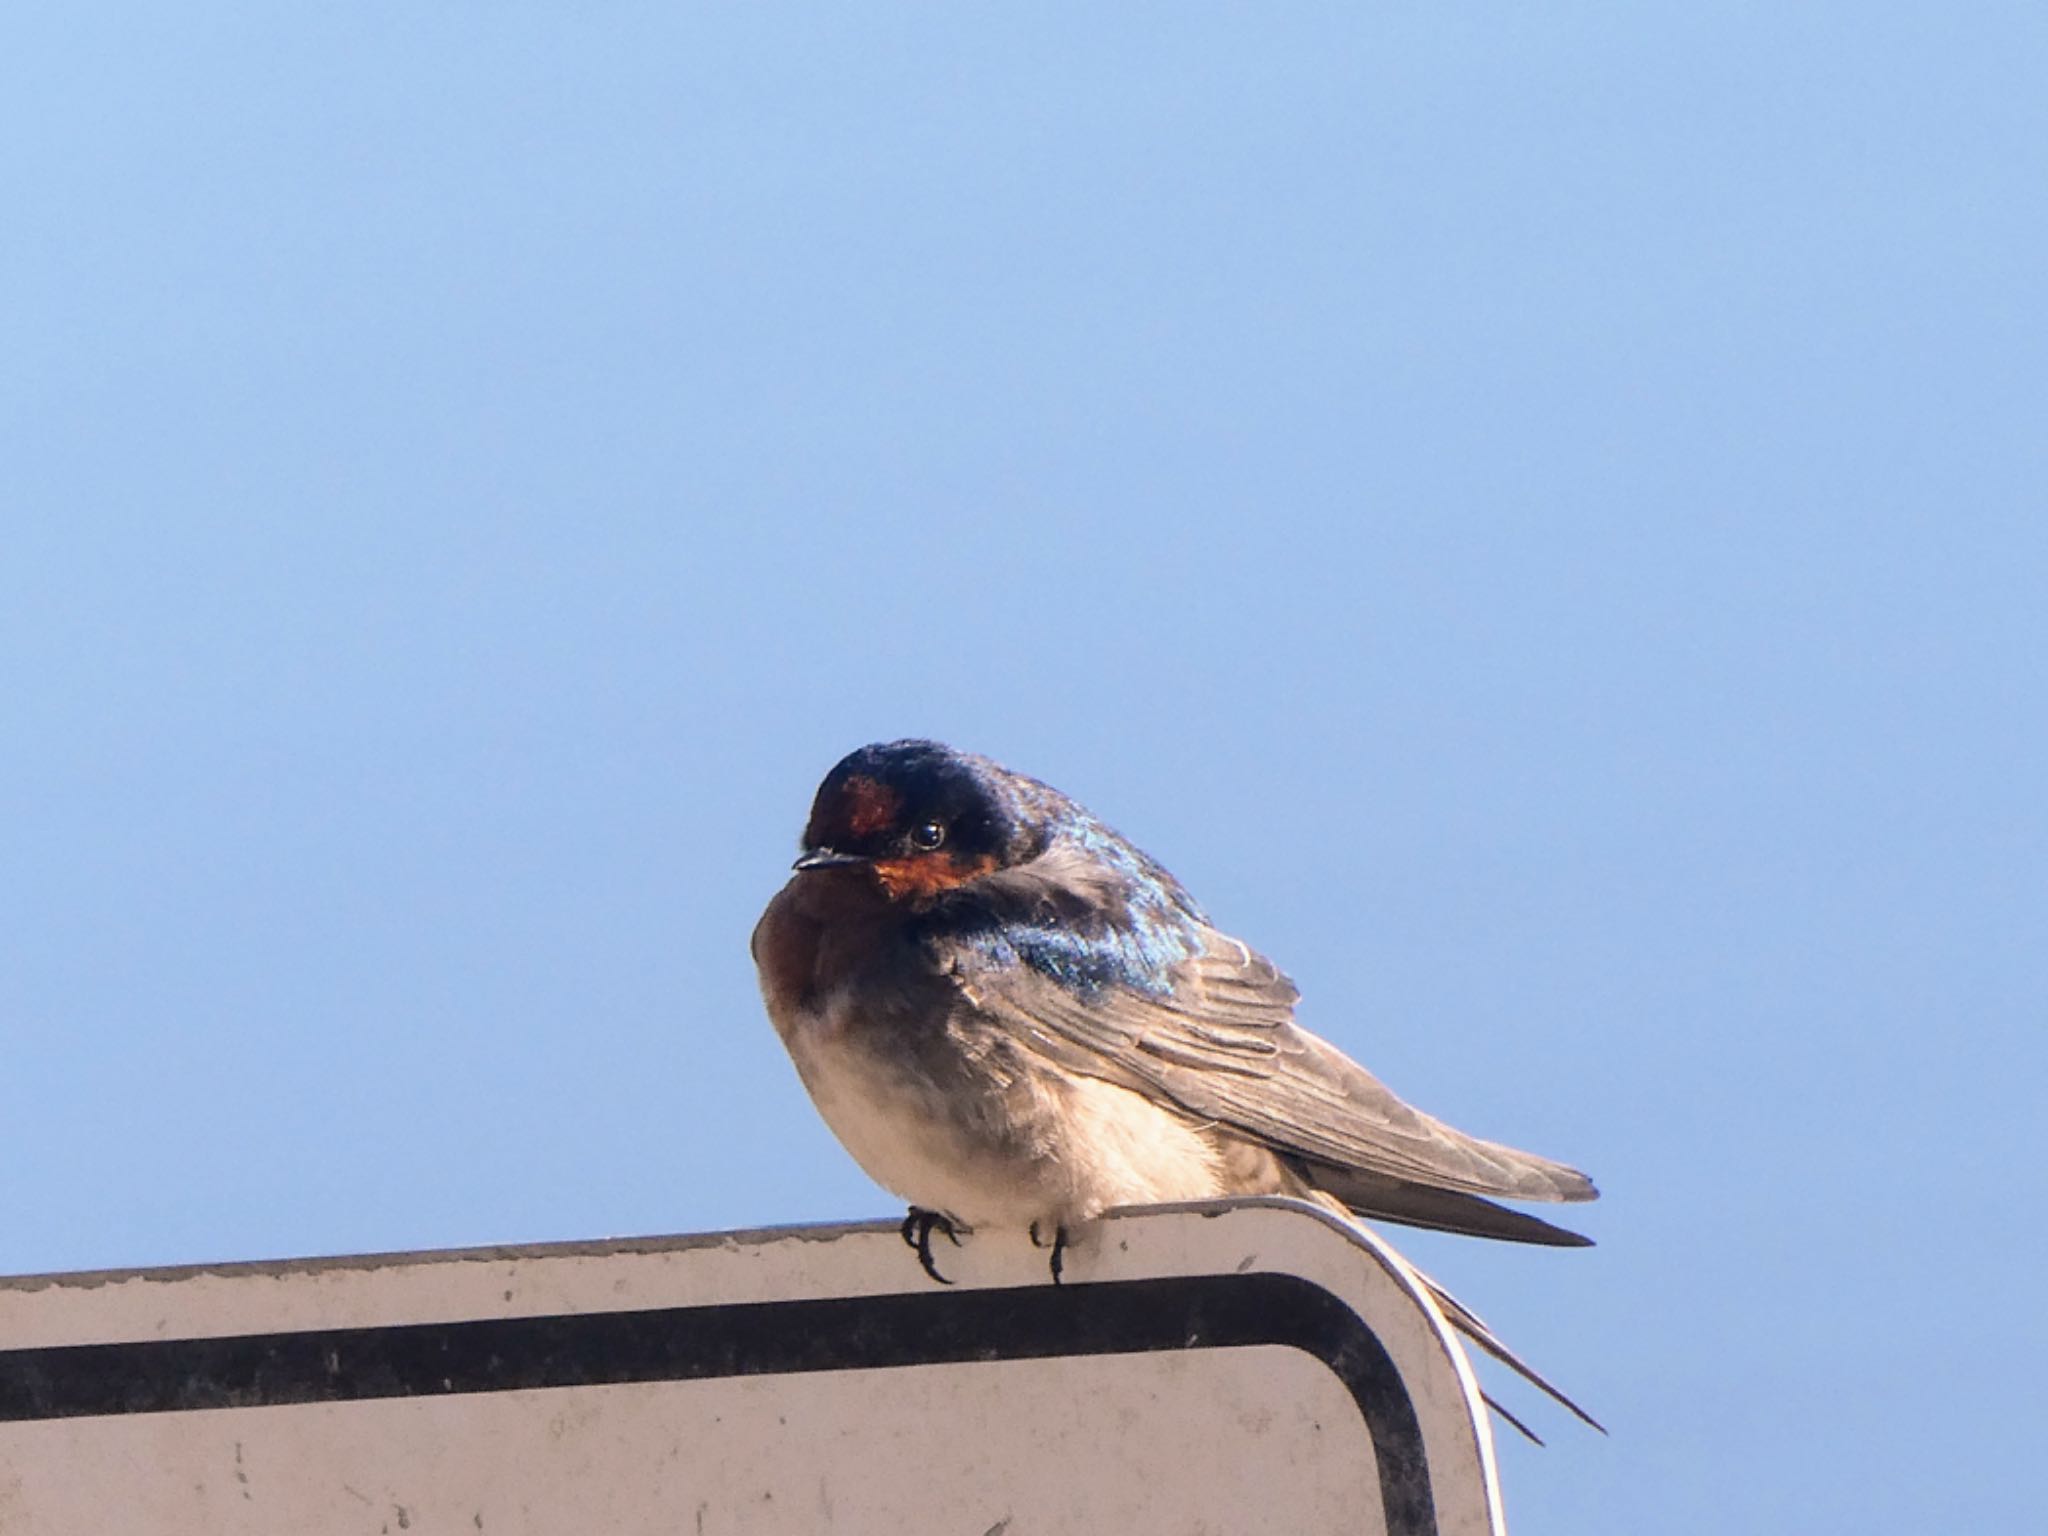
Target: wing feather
x: 1222, y: 1045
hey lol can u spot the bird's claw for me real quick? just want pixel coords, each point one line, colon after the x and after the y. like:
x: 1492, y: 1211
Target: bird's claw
x: 917, y: 1230
x: 1059, y: 1249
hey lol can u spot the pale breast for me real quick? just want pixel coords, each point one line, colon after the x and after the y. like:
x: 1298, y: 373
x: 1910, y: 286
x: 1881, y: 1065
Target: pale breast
x: 906, y: 1132
x: 940, y: 1105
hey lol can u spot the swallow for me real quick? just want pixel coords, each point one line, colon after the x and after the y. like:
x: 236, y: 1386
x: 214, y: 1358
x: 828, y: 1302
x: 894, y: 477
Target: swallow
x: 1013, y: 1017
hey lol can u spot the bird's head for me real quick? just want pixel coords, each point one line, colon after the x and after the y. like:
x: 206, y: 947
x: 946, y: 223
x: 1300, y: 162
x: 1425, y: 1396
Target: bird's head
x: 918, y: 816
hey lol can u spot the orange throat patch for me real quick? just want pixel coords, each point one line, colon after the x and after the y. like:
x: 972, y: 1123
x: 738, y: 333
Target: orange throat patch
x: 923, y: 877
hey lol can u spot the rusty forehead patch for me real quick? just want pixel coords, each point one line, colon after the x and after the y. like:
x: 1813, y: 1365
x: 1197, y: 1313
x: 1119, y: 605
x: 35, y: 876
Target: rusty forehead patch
x: 870, y: 805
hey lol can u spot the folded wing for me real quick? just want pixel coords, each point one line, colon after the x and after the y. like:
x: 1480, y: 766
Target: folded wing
x: 1222, y: 1045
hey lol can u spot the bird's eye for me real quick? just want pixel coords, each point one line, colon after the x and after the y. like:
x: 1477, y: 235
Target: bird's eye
x: 928, y: 836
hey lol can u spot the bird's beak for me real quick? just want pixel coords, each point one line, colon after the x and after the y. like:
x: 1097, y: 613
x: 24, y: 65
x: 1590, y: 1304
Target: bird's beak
x: 826, y: 858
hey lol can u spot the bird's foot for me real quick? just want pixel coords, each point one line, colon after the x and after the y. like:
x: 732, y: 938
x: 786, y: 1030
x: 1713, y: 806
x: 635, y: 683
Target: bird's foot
x: 1059, y: 1249
x: 918, y: 1228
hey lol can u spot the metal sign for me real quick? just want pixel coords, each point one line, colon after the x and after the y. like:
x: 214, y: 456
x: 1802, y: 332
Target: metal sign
x: 1251, y: 1367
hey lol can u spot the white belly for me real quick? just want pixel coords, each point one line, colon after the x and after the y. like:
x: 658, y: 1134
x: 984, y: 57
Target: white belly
x: 1051, y: 1148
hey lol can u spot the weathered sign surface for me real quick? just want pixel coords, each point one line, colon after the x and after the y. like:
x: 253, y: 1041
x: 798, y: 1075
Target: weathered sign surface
x: 1246, y: 1368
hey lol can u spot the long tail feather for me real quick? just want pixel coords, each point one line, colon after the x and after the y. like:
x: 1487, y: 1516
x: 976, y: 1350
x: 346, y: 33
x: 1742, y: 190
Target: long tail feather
x: 1470, y: 1324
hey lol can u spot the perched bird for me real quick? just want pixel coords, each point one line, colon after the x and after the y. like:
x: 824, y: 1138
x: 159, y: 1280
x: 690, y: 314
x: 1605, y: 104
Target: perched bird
x: 1012, y: 1017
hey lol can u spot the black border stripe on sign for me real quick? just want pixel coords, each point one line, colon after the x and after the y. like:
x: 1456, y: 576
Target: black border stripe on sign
x: 767, y: 1338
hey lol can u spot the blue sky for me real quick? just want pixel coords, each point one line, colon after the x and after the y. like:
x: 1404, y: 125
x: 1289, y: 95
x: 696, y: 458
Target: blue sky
x: 1536, y: 516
